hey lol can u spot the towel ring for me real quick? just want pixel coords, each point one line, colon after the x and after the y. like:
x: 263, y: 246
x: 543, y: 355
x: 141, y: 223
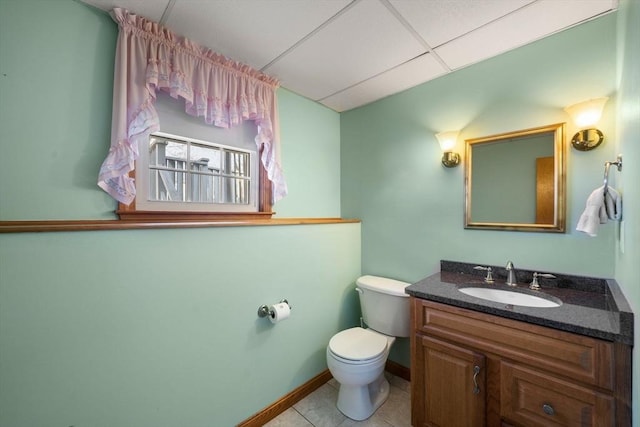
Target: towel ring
x: 607, y: 165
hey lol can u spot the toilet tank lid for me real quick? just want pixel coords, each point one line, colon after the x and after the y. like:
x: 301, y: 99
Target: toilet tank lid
x: 384, y: 285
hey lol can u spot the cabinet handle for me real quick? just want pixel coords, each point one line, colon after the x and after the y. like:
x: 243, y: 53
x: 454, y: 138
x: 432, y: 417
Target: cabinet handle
x: 476, y: 371
x: 548, y: 409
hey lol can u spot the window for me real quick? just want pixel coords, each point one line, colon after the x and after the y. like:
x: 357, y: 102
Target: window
x: 152, y: 60
x: 190, y: 174
x: 197, y: 171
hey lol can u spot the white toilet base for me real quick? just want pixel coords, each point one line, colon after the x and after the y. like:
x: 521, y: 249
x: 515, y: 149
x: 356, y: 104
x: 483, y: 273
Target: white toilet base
x: 360, y: 402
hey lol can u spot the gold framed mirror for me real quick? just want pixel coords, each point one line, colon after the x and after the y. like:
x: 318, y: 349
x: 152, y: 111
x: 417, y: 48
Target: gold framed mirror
x: 516, y: 181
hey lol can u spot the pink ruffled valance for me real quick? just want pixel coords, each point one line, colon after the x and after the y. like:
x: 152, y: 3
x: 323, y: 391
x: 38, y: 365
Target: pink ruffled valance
x: 149, y: 58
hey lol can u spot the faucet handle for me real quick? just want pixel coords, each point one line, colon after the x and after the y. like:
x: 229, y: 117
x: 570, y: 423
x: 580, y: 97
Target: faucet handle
x: 489, y: 278
x: 534, y: 283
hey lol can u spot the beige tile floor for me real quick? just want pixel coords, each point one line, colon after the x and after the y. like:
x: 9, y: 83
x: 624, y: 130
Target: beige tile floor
x: 318, y: 409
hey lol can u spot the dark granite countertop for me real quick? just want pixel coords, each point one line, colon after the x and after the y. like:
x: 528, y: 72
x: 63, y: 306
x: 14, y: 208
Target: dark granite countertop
x: 590, y: 306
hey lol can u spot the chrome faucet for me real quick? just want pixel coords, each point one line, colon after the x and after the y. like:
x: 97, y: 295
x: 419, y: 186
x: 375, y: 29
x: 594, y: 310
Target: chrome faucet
x: 511, y: 274
x: 535, y: 286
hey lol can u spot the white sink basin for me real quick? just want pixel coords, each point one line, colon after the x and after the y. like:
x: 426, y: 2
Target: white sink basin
x: 509, y: 297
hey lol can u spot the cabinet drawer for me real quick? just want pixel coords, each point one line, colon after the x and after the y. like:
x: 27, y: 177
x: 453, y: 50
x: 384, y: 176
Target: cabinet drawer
x: 531, y: 398
x: 577, y: 357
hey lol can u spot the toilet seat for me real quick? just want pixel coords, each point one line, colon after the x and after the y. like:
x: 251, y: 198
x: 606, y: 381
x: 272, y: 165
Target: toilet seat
x: 358, y: 345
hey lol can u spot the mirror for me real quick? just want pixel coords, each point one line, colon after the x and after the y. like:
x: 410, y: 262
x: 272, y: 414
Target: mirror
x: 516, y: 181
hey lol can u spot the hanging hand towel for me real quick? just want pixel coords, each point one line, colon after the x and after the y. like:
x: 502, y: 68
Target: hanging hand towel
x: 613, y: 204
x: 594, y: 213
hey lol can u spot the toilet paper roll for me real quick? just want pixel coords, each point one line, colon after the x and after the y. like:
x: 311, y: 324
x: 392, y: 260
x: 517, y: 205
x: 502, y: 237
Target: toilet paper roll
x: 279, y: 312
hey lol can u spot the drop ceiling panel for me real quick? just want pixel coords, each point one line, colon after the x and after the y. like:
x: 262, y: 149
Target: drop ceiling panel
x: 537, y: 20
x: 347, y: 53
x: 252, y: 32
x: 439, y: 21
x: 403, y: 77
x: 149, y: 9
x: 362, y: 42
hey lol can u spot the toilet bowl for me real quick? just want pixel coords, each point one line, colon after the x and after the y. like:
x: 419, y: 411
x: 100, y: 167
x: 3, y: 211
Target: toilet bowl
x: 356, y: 357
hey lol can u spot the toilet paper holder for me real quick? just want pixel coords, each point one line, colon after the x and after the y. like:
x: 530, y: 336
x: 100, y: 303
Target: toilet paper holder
x: 264, y: 311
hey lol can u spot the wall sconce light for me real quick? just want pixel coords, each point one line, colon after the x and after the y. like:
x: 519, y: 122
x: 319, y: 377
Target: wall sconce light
x: 447, y: 141
x: 585, y: 115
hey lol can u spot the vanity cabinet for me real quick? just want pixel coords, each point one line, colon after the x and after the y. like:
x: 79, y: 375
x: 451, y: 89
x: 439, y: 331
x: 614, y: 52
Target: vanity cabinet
x: 459, y: 376
x: 476, y: 369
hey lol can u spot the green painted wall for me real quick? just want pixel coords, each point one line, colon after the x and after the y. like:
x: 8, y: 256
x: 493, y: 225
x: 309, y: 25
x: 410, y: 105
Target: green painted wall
x: 159, y: 328
x: 56, y: 85
x: 103, y: 329
x: 627, y: 272
x: 310, y: 149
x: 412, y: 207
x: 150, y: 327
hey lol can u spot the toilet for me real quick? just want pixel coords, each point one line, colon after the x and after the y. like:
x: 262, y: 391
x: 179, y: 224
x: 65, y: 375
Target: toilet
x: 356, y: 357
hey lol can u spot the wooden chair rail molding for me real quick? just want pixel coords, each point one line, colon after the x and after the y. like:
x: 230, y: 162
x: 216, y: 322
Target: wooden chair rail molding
x: 98, y: 225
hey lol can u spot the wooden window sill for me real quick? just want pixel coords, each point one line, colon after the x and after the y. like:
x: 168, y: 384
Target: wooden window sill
x: 97, y: 225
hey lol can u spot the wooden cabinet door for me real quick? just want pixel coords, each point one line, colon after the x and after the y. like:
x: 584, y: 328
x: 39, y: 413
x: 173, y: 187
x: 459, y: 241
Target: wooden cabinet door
x: 451, y: 385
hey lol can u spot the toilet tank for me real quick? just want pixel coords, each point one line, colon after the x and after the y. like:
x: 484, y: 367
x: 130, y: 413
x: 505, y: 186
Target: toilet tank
x: 384, y: 305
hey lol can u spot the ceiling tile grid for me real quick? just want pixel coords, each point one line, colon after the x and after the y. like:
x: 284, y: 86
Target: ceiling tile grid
x: 402, y: 77
x: 532, y: 22
x: 252, y: 32
x: 438, y: 22
x: 348, y: 53
x: 364, y: 41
